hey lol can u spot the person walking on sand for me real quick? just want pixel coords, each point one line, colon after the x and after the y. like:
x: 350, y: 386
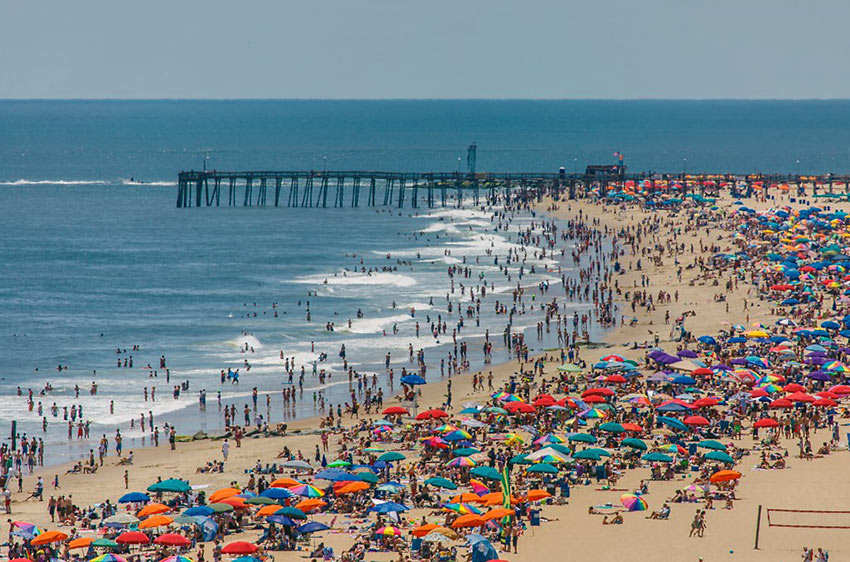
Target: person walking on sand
x: 126, y: 479
x: 695, y: 525
x: 225, y: 449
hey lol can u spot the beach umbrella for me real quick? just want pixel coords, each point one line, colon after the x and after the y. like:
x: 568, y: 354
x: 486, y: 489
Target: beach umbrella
x: 391, y: 456
x: 696, y: 421
x: 587, y: 454
x: 519, y: 459
x: 766, y: 423
x: 423, y: 530
x: 153, y: 509
x: 133, y: 497
x: 719, y: 456
x: 461, y: 508
x: 297, y: 465
x: 465, y: 452
x: 412, y: 380
x: 724, y: 476
x: 155, y: 521
x: 109, y: 557
x: 339, y: 464
x: 537, y: 495
x: 542, y: 468
x: 246, y: 559
x: 236, y: 502
x: 461, y: 462
x: 712, y: 444
x: 707, y: 402
x: 498, y: 513
x: 240, y: 547
x: 81, y: 542
x: 582, y: 438
x: 634, y: 443
x: 132, y: 537
x: 672, y: 422
x: 468, y: 520
x: 389, y: 507
x: 281, y: 520
x: 197, y: 510
x: 309, y: 504
x: 178, y: 558
x: 395, y: 411
x: 633, y: 502
x: 172, y: 539
x: 388, y: 531
x: 612, y: 427
x: 172, y: 485
x: 657, y: 457
x: 284, y: 483
x: 223, y: 493
x: 27, y: 530
x: 275, y: 494
x: 48, y: 537
x: 291, y: 512
x: 366, y: 476
x: 441, y: 483
x: 312, y: 527
x: 307, y: 491
x: 185, y: 520
x: 221, y: 507
x: 632, y: 427
x: 121, y: 519
x: 487, y: 472
x: 101, y: 542
x: 332, y: 474
x: 435, y: 538
x: 431, y: 414
x: 351, y: 487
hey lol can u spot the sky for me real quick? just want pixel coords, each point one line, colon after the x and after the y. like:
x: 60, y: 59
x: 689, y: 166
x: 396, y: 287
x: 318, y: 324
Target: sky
x: 377, y: 49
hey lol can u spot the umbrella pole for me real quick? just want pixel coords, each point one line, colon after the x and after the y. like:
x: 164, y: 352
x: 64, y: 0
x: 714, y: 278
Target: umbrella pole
x: 758, y: 528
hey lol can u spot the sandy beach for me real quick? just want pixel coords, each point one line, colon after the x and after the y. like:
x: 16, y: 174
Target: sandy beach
x: 568, y: 532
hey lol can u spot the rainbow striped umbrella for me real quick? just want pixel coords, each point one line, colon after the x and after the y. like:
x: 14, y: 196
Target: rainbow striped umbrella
x: 462, y: 461
x: 507, y: 397
x: 593, y: 413
x: 634, y: 502
x: 446, y: 428
x: 177, y: 559
x: 549, y: 438
x: 108, y: 557
x: 307, y: 491
x: 461, y: 508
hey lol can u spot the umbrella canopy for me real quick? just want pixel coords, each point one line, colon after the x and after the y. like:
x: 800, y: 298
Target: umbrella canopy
x: 468, y: 520
x: 721, y: 456
x: 172, y: 539
x: 171, y: 485
x: 240, y: 547
x: 81, y: 542
x: 313, y: 527
x: 133, y: 497
x: 153, y: 509
x: 724, y: 476
x: 633, y: 502
x: 48, y: 537
x: 223, y: 494
x: 441, y: 483
x: 132, y: 537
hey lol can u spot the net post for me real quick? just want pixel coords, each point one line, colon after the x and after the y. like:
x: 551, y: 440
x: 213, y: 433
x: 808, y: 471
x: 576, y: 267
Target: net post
x: 758, y: 527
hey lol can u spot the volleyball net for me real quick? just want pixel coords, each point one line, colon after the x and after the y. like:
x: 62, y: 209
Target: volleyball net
x: 808, y: 518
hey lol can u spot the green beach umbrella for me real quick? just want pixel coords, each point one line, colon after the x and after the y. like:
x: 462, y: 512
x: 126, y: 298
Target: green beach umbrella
x: 634, y: 443
x: 260, y: 500
x: 600, y: 452
x: 569, y: 368
x: 221, y: 507
x: 441, y: 483
x: 520, y: 459
x: 487, y: 472
x: 171, y: 485
x: 342, y: 464
x: 366, y: 476
x: 465, y: 451
x: 712, y: 444
x: 612, y: 427
x: 588, y: 454
x: 390, y: 457
x: 495, y: 410
x: 582, y: 438
x: 721, y: 456
x: 186, y: 519
x: 105, y: 543
x: 291, y: 512
x: 543, y: 468
x: 657, y: 457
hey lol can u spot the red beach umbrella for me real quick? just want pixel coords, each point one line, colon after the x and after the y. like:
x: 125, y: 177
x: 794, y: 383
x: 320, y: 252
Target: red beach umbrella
x: 780, y: 403
x: 766, y: 423
x: 696, y: 420
x: 240, y: 547
x: 394, y: 410
x: 172, y: 539
x: 132, y: 537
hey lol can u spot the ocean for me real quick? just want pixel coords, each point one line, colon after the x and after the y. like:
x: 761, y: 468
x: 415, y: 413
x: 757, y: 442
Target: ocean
x: 95, y: 261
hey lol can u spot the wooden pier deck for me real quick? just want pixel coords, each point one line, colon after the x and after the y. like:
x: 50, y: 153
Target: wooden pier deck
x: 349, y: 188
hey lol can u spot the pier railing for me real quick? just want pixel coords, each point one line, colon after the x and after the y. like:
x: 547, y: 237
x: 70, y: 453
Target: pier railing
x: 431, y: 189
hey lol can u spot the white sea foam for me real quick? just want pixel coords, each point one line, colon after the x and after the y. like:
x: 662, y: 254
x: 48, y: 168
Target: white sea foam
x: 357, y: 278
x: 53, y: 182
x: 125, y: 181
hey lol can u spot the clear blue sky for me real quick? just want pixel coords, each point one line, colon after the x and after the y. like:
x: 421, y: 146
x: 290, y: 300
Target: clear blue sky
x: 424, y: 49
